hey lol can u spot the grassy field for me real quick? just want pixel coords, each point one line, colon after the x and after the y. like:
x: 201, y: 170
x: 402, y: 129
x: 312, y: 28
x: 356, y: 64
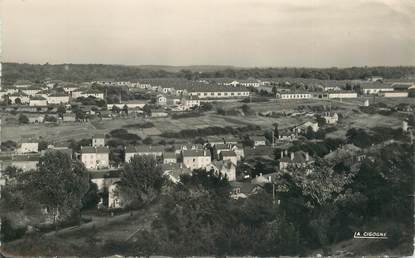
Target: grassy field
x: 349, y: 109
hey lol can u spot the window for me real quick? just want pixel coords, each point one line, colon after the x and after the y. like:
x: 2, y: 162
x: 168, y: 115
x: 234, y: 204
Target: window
x: 226, y: 94
x: 205, y: 94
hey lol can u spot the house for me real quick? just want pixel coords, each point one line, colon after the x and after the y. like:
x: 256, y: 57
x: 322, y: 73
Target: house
x: 143, y: 150
x: 242, y: 189
x: 294, y: 159
x: 225, y: 168
x: 32, y: 90
x: 286, y: 135
x: 375, y: 79
x: 302, y: 128
x: 22, y: 84
x: 98, y: 140
x: 180, y: 148
x: 263, y: 179
x: 222, y: 147
x: 37, y: 101
x: 191, y: 102
x: 69, y: 117
x: 174, y: 171
x: 28, y: 144
x: 19, y: 98
x: 88, y: 93
x: 239, y: 150
x: 169, y: 157
x: 62, y: 147
x: 258, y: 140
x: 330, y: 118
x: 95, y: 157
x: 132, y: 104
x: 157, y: 113
x: 25, y: 162
x: 195, y: 159
x: 403, y: 86
x: 374, y: 88
x: 35, y: 118
x: 161, y: 100
x: 294, y: 95
x: 58, y: 98
x: 104, y: 178
x: 114, y: 199
x: 250, y: 82
x: 229, y: 155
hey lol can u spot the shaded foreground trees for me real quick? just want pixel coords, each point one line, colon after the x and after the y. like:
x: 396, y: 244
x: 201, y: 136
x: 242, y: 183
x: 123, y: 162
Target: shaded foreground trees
x: 54, y: 192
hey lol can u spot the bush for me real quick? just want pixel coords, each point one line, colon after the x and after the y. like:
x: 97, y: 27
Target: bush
x: 23, y: 119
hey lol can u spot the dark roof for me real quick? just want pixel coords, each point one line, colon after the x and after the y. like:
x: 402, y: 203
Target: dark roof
x: 89, y: 149
x: 144, y: 148
x: 228, y: 154
x: 169, y: 155
x: 194, y: 153
x: 299, y: 158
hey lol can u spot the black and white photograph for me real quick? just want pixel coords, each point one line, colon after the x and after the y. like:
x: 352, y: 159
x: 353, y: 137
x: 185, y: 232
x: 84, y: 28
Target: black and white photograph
x: 207, y: 128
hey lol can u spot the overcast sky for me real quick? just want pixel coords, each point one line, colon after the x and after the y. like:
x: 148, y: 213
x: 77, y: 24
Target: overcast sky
x: 306, y: 33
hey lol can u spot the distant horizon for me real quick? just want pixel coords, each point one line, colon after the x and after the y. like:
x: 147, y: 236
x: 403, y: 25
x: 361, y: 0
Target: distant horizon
x: 211, y: 65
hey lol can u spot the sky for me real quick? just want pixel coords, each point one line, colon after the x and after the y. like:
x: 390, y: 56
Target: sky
x: 247, y: 33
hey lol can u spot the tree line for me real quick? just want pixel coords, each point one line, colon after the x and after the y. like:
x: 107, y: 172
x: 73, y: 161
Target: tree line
x: 89, y: 72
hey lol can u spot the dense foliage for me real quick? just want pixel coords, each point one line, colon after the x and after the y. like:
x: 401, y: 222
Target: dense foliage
x: 90, y: 72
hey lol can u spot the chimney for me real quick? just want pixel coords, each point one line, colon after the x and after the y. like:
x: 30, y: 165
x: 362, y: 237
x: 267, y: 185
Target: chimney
x: 282, y: 154
x: 260, y: 174
x: 307, y: 157
x: 286, y: 152
x: 292, y: 155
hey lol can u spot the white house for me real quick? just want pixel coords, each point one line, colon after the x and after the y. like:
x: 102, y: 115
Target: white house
x: 375, y: 88
x: 28, y: 145
x: 169, y: 157
x: 95, y: 157
x: 98, y: 140
x: 224, y: 167
x: 58, y: 99
x: 295, y: 159
x: 161, y: 100
x: 331, y: 118
x: 143, y: 150
x: 195, y: 159
x: 229, y: 155
x: 38, y: 101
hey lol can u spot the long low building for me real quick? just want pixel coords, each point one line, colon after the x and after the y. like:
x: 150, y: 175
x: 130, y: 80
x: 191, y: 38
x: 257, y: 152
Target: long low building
x: 394, y: 94
x: 342, y: 95
x: 294, y: 95
x: 214, y: 91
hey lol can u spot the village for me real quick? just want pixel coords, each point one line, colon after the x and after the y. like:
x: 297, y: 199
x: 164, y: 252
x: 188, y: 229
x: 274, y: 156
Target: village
x: 249, y: 132
x: 53, y: 104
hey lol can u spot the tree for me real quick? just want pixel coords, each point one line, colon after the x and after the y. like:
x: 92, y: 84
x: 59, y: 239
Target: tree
x: 61, y: 110
x: 140, y: 181
x: 43, y: 145
x: 115, y: 109
x: 61, y: 186
x: 23, y: 119
x: 147, y: 110
x: 276, y: 132
x: 18, y: 101
x: 125, y: 109
x: 148, y: 140
x: 91, y: 198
